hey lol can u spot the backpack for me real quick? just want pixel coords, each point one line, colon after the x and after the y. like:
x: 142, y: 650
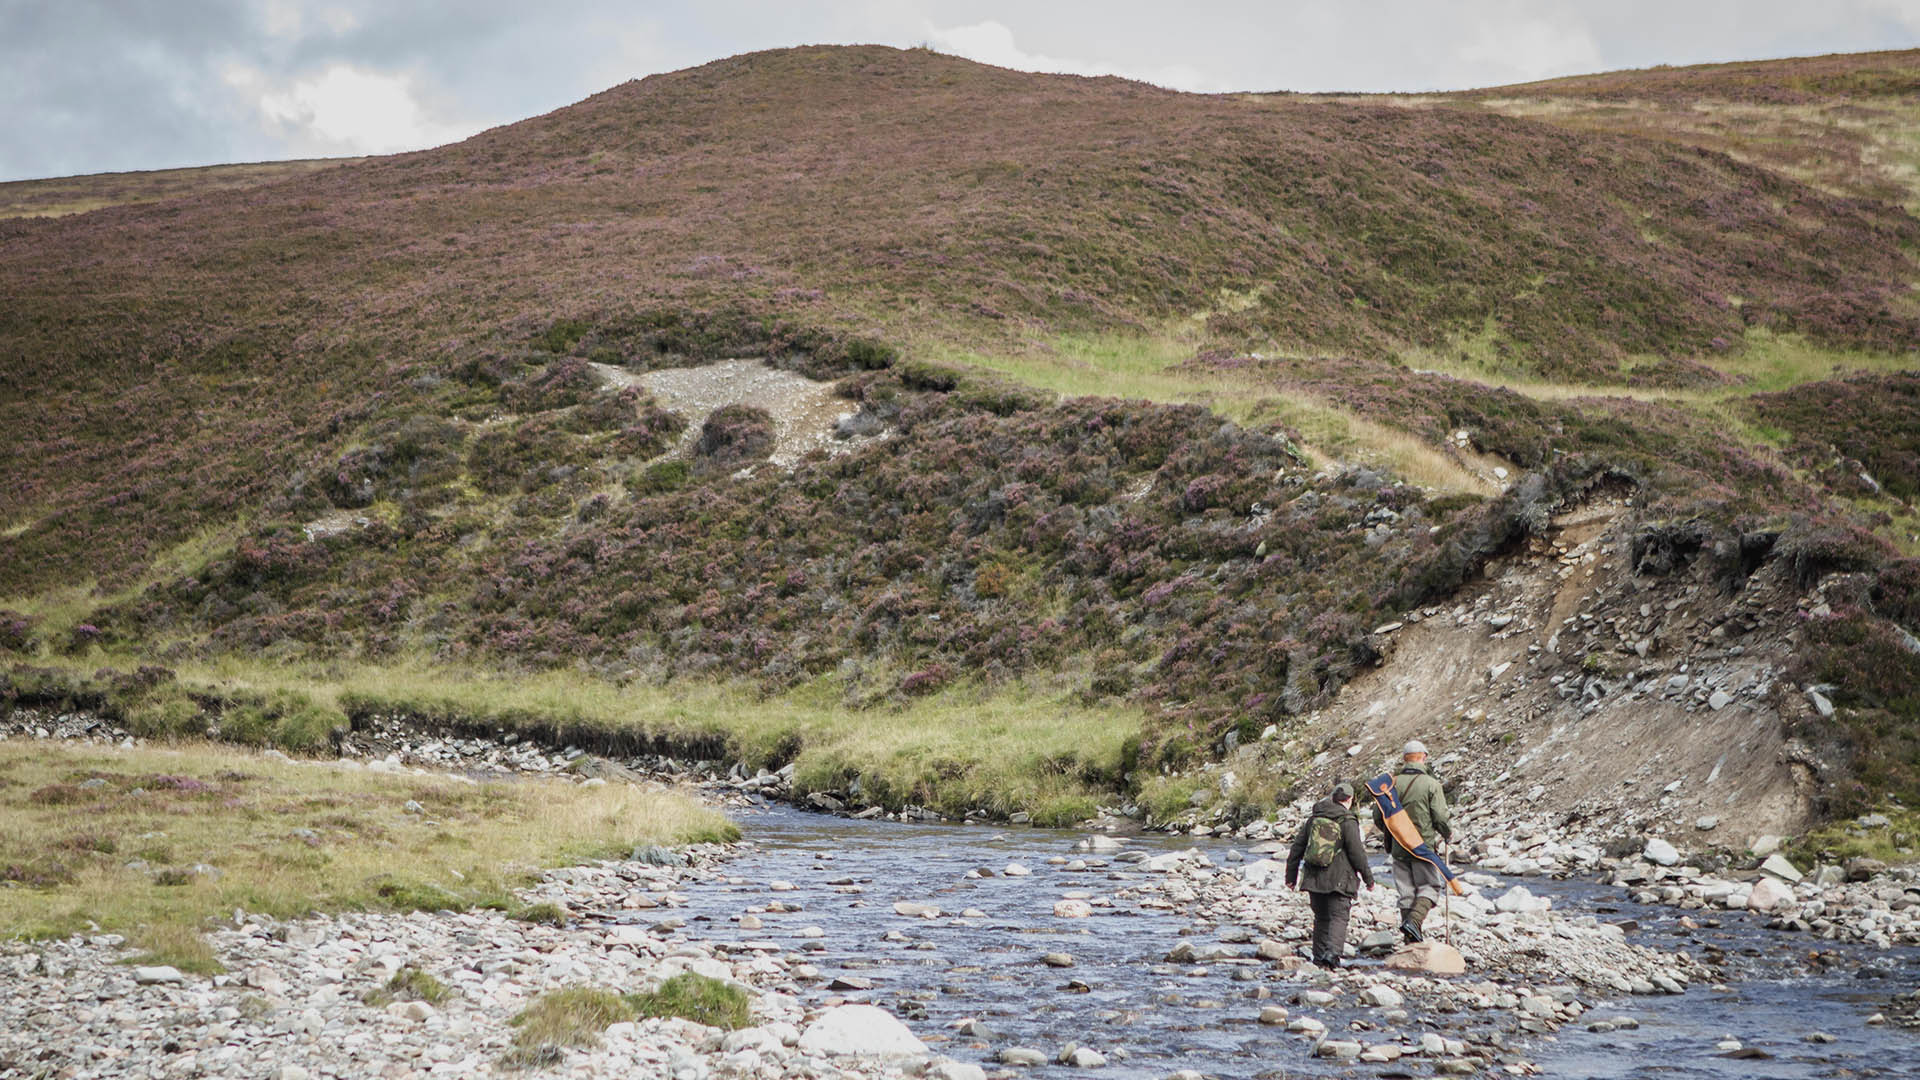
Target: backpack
x: 1323, y: 841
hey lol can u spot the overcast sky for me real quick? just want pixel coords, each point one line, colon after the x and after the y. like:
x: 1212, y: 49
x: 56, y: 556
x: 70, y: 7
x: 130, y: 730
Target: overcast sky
x: 108, y: 85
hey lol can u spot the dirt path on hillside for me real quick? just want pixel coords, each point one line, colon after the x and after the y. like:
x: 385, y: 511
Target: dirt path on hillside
x: 804, y: 411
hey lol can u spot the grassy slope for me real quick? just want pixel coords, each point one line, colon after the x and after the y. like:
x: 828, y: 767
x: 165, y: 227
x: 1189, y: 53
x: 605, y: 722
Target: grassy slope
x: 194, y: 373
x: 1847, y: 123
x: 120, y: 838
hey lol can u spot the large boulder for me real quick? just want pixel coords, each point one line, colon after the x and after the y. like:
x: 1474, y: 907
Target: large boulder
x: 1518, y: 901
x: 1432, y: 957
x: 1768, y: 894
x: 1660, y: 852
x: 1781, y: 867
x: 1265, y: 874
x: 862, y: 1030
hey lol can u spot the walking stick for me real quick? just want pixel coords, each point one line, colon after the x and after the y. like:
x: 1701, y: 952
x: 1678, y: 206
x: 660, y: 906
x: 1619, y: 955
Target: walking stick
x: 1446, y: 900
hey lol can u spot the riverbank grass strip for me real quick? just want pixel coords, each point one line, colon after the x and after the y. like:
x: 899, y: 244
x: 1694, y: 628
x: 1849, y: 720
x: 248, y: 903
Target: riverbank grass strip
x: 1023, y: 746
x: 153, y: 842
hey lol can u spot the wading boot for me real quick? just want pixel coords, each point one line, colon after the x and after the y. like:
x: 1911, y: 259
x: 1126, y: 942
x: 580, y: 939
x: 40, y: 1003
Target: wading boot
x: 1414, y: 919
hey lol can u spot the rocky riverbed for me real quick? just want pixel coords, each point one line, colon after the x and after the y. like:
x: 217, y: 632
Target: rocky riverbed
x: 1022, y: 950
x: 310, y: 998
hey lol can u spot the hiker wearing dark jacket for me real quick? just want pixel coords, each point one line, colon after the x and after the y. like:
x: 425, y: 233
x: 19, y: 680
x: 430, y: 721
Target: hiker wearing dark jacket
x: 1329, y: 887
x: 1418, y: 881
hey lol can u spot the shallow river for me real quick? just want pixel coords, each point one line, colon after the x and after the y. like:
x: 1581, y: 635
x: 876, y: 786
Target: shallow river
x: 1150, y: 1018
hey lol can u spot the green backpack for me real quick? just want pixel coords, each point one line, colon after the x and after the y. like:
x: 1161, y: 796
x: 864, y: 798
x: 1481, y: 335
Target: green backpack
x: 1323, y: 841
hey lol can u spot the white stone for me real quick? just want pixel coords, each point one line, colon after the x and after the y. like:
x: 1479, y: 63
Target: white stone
x: 1264, y: 874
x: 1084, y: 1057
x: 1381, y: 996
x: 1660, y: 852
x: 955, y: 1070
x: 1518, y: 901
x: 1768, y: 894
x: 1072, y: 909
x: 1781, y: 867
x: 1338, y: 1049
x: 154, y: 976
x: 1014, y: 869
x: 865, y: 1030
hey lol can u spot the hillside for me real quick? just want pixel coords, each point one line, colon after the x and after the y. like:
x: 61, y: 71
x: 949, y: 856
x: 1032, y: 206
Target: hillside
x: 410, y: 413
x: 1842, y: 123
x: 60, y: 196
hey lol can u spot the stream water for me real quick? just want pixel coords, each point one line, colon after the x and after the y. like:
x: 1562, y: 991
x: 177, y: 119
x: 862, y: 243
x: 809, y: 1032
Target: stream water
x: 1151, y: 1018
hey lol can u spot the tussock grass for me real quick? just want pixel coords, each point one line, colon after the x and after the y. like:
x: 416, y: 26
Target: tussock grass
x: 168, y: 838
x: 409, y: 984
x: 576, y: 1015
x: 572, y: 1016
x: 176, y: 945
x: 698, y: 998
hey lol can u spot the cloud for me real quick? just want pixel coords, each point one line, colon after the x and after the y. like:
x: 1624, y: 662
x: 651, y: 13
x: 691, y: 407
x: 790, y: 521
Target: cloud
x: 343, y: 109
x: 992, y: 42
x: 1523, y: 47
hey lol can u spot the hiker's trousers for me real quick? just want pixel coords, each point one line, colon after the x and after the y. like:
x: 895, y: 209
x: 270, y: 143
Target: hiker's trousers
x: 1330, y: 912
x: 1415, y: 878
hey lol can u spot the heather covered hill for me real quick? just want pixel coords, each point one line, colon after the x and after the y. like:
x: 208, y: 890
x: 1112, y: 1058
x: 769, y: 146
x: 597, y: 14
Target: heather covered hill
x: 404, y: 412
x: 215, y: 339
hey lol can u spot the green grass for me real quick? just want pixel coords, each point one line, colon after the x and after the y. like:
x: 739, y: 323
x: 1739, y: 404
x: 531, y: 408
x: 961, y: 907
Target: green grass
x: 1839, y: 841
x: 1026, y: 746
x: 409, y: 984
x: 153, y: 842
x: 1149, y: 366
x: 178, y: 946
x: 1764, y: 362
x: 573, y: 1016
x: 546, y: 913
x: 698, y: 998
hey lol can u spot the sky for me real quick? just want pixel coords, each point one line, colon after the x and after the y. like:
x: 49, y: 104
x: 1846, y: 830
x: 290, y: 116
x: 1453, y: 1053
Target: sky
x: 114, y: 85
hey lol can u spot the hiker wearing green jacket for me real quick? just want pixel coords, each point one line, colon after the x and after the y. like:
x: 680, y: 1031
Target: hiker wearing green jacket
x: 1327, y: 848
x: 1417, y: 881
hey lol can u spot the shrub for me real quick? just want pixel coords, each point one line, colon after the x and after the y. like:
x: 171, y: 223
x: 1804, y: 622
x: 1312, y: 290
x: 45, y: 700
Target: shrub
x: 733, y: 435
x: 660, y: 477
x: 16, y: 632
x: 561, y: 384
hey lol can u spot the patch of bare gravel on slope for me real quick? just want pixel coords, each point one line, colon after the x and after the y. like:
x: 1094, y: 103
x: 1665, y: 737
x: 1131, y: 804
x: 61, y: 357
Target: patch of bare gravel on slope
x: 804, y: 411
